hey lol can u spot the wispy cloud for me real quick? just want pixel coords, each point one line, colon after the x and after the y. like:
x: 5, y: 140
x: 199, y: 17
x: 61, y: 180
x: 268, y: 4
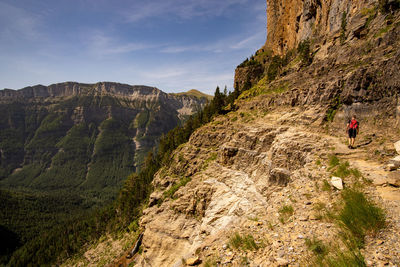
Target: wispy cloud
x: 184, y: 9
x: 249, y: 41
x: 102, y: 44
x: 222, y: 45
x: 17, y: 24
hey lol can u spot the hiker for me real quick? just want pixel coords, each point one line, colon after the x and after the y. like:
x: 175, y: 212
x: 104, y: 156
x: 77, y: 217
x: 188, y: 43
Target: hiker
x: 352, y: 129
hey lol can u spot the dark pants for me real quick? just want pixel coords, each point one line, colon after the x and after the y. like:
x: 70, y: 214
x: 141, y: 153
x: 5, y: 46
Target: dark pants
x: 352, y: 133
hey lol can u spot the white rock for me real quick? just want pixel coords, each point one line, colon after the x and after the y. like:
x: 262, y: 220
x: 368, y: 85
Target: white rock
x: 397, y: 147
x: 391, y: 167
x: 337, y: 182
x: 282, y: 262
x: 395, y: 161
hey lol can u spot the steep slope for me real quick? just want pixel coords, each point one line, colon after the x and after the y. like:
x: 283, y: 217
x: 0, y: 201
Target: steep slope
x: 253, y: 187
x: 67, y: 148
x: 260, y: 186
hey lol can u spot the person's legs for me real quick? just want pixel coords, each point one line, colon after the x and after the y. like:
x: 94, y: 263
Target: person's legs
x: 352, y: 141
x: 349, y: 131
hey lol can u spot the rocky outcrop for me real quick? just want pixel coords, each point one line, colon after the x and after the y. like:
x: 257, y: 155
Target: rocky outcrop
x: 243, y: 172
x: 251, y: 163
x: 290, y: 22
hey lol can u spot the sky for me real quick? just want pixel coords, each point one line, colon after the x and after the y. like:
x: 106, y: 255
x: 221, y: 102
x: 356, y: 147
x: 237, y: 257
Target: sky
x: 174, y: 45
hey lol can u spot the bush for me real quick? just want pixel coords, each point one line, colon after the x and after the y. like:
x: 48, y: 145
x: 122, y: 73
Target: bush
x: 333, y: 108
x: 342, y: 170
x: 385, y: 6
x: 274, y: 67
x: 316, y: 246
x: 304, y: 51
x: 175, y: 187
x: 247, y: 62
x: 243, y: 242
x: 348, y: 258
x: 359, y: 215
x: 285, y: 212
x: 333, y: 161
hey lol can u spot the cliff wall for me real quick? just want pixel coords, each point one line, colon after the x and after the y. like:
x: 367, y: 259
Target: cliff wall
x: 292, y: 21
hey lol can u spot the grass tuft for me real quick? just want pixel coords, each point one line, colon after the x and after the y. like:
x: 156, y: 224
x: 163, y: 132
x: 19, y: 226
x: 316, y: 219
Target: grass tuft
x: 333, y: 161
x: 285, y: 212
x: 243, y: 242
x: 316, y: 246
x: 359, y: 215
x: 172, y: 190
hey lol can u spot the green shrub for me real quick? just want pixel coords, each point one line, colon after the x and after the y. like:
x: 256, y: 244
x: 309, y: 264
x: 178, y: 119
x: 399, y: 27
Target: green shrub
x: 285, y: 212
x: 333, y: 108
x: 359, y: 215
x: 274, y: 67
x: 347, y: 258
x: 333, y: 161
x: 316, y: 246
x: 249, y: 62
x: 210, y: 262
x: 342, y: 170
x: 243, y: 242
x: 385, y: 6
x: 171, y: 191
x: 326, y: 186
x: 304, y: 50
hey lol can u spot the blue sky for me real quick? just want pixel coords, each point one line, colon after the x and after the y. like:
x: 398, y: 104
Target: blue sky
x: 175, y: 45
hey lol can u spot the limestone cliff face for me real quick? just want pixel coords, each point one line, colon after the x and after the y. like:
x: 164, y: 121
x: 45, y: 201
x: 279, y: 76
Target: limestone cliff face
x: 292, y: 21
x: 118, y: 90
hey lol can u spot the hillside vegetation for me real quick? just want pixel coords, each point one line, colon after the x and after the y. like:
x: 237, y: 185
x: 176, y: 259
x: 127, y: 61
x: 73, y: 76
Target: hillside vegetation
x: 64, y: 153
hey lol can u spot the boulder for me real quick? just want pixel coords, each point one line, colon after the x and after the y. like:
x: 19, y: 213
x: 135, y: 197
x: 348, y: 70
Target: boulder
x: 282, y: 262
x: 193, y: 261
x: 395, y: 161
x: 154, y: 198
x: 337, y: 182
x: 394, y: 178
x: 391, y: 167
x: 397, y: 147
x: 279, y: 176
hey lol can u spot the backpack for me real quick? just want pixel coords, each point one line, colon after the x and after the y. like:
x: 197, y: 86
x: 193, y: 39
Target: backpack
x: 353, y: 124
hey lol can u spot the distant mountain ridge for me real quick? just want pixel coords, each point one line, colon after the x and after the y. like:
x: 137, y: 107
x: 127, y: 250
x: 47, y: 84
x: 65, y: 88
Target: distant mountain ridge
x: 76, y: 143
x: 68, y: 89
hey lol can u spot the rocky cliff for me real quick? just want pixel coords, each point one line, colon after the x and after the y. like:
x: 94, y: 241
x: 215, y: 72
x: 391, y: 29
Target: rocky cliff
x: 263, y: 185
x: 290, y: 22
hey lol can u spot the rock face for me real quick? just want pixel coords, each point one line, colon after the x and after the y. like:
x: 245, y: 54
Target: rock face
x: 351, y: 65
x: 234, y: 170
x: 248, y: 166
x: 290, y: 22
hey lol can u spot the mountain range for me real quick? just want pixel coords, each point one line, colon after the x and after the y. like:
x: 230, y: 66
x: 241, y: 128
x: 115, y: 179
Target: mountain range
x: 67, y: 148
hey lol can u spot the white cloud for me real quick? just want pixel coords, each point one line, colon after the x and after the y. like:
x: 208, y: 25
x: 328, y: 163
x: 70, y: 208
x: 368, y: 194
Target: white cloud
x: 249, y: 41
x: 184, y: 9
x: 16, y: 23
x: 243, y: 41
x: 101, y: 44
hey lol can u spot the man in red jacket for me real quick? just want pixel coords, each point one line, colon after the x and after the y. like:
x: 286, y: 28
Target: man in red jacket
x: 352, y: 130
